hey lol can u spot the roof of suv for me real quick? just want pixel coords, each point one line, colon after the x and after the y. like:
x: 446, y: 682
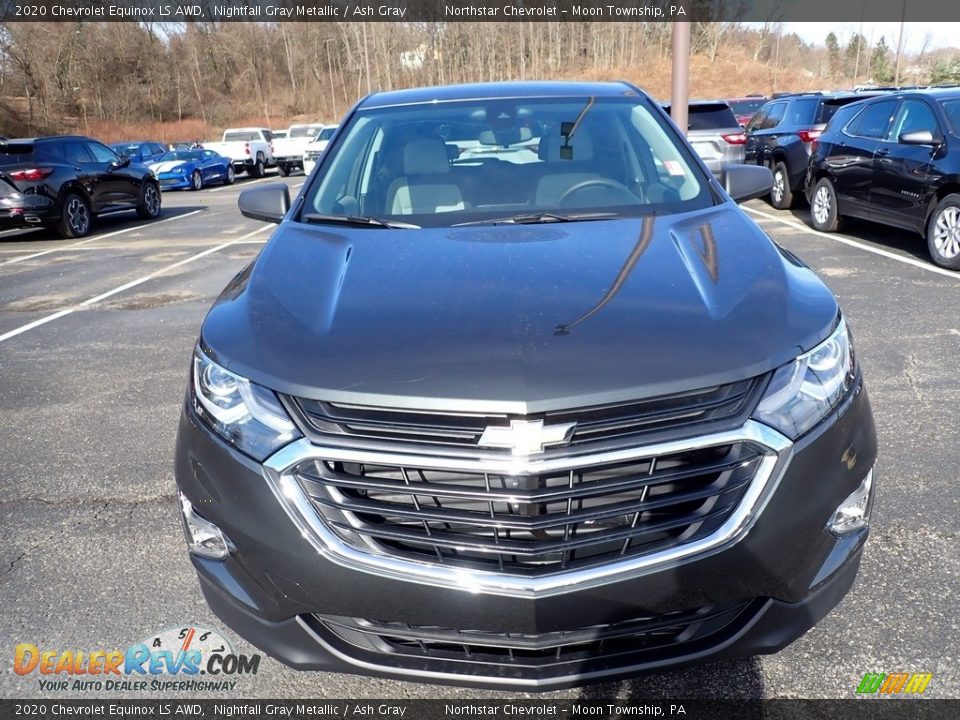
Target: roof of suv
x: 12, y: 141
x: 940, y: 93
x: 697, y: 103
x: 498, y: 90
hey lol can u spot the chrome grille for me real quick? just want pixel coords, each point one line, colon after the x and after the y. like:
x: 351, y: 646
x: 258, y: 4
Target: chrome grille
x: 529, y: 523
x: 611, y: 642
x: 689, y: 411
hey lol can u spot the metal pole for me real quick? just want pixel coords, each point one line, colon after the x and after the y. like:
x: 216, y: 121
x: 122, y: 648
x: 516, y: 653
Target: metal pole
x: 856, y: 65
x: 903, y: 16
x: 776, y: 65
x: 679, y: 93
x: 333, y: 95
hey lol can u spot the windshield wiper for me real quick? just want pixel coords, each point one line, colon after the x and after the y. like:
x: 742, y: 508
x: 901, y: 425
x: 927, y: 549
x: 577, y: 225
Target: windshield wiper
x: 358, y: 221
x: 542, y: 217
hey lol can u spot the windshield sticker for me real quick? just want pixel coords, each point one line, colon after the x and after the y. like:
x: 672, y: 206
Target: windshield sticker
x: 673, y: 167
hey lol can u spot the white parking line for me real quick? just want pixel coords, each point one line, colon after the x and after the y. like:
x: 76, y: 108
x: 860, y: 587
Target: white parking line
x: 234, y: 187
x: 94, y: 248
x: 96, y: 237
x: 862, y: 246
x: 126, y: 286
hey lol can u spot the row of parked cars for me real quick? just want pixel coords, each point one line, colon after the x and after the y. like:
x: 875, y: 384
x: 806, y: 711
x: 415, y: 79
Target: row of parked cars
x: 64, y: 182
x: 888, y: 156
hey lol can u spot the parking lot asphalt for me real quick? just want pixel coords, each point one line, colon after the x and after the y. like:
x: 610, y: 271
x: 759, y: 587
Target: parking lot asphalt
x: 95, y: 340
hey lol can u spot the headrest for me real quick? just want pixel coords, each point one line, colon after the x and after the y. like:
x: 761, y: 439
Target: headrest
x: 551, y: 143
x: 425, y: 156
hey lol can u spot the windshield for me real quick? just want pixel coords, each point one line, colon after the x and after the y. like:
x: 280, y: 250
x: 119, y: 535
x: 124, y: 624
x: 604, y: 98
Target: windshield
x: 303, y: 131
x: 444, y: 164
x: 180, y: 155
x: 711, y: 117
x: 241, y: 136
x: 952, y: 109
x: 747, y: 107
x: 326, y: 133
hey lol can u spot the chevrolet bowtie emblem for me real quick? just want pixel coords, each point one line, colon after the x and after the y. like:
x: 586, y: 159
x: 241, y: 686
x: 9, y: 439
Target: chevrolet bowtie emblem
x: 526, y: 437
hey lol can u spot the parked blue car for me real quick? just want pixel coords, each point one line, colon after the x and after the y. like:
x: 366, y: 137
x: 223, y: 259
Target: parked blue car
x: 192, y: 169
x: 140, y: 151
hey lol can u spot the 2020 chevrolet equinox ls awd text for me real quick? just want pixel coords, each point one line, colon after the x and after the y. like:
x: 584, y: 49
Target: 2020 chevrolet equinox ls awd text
x: 516, y: 396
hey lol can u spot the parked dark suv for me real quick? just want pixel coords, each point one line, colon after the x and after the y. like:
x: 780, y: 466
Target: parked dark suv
x: 781, y: 134
x: 522, y: 423
x: 893, y: 160
x: 78, y: 178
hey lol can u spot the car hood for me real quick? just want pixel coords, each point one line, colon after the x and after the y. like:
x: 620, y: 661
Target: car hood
x: 517, y: 318
x: 170, y: 165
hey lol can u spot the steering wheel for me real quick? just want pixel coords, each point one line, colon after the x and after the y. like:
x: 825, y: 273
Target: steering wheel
x: 597, y: 182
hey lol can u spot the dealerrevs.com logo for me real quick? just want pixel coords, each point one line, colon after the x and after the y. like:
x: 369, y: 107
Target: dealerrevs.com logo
x: 897, y: 683
x: 174, y: 659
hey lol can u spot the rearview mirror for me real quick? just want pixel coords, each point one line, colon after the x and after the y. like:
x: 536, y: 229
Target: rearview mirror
x: 268, y: 203
x: 917, y: 137
x: 745, y: 182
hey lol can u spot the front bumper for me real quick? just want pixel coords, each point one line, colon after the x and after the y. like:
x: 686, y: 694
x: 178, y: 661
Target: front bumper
x: 779, y: 577
x: 173, y: 182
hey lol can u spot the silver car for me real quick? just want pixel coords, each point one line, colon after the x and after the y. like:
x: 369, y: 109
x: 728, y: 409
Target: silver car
x: 715, y: 134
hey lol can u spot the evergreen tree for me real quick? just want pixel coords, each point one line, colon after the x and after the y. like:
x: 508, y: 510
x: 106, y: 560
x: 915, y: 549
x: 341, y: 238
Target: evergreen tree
x: 833, y: 53
x: 946, y: 71
x: 856, y: 47
x: 880, y: 67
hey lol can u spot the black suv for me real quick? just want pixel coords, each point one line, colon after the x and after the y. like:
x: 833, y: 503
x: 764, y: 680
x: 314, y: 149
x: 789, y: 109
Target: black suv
x: 525, y: 422
x: 893, y: 160
x: 78, y: 178
x: 781, y: 134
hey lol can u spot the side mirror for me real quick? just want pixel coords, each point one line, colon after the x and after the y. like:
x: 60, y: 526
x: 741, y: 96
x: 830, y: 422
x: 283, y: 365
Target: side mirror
x: 918, y: 137
x: 121, y: 162
x: 268, y: 203
x: 745, y: 182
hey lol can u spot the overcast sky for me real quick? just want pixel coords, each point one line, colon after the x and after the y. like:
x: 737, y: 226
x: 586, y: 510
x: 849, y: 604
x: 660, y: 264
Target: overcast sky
x: 942, y: 35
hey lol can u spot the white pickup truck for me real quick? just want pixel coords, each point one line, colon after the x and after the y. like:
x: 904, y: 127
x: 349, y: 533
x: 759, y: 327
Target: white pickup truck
x: 249, y: 149
x: 313, y: 151
x: 288, y: 151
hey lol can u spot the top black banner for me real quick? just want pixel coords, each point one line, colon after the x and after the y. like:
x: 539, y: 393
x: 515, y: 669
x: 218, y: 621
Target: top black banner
x: 478, y: 10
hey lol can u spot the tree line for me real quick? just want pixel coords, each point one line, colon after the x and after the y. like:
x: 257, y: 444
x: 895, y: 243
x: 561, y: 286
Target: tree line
x: 57, y: 76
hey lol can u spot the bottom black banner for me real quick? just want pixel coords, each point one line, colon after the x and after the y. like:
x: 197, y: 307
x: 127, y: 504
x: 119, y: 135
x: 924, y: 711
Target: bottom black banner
x: 865, y: 709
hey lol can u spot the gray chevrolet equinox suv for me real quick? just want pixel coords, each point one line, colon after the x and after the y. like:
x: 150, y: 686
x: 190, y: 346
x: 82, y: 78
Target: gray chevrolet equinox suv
x: 517, y: 396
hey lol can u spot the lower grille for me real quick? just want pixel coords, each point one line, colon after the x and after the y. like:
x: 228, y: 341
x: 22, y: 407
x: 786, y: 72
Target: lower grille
x: 613, y: 643
x: 529, y: 524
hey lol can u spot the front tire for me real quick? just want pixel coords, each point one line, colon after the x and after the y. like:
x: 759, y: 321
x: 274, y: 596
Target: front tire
x: 196, y: 180
x: 781, y: 196
x: 149, y: 207
x: 943, y: 233
x: 231, y: 175
x: 823, y: 207
x: 283, y: 170
x: 76, y: 219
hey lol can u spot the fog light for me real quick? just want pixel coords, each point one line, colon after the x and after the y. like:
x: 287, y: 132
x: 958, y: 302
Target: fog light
x: 854, y: 512
x: 203, y: 537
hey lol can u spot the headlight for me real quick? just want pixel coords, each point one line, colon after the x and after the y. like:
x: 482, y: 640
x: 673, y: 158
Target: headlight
x: 804, y: 392
x: 246, y: 415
